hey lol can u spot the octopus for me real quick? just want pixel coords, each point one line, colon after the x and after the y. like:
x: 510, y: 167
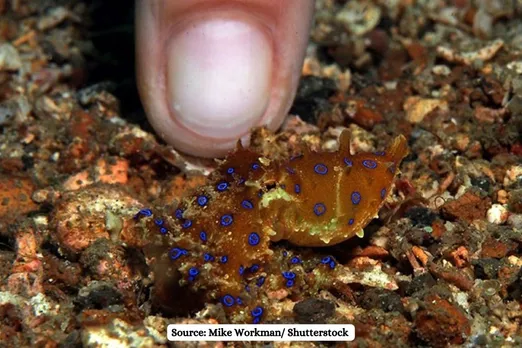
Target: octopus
x: 220, y: 240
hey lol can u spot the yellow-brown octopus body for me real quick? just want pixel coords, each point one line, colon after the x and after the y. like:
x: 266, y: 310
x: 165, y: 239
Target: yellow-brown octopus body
x: 219, y: 239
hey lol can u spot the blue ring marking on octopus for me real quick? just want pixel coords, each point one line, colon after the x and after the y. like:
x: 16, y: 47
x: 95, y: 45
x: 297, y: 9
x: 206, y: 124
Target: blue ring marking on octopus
x: 176, y: 253
x: 326, y: 259
x: 254, y: 268
x: 351, y: 221
x: 222, y: 186
x: 224, y: 259
x: 226, y: 220
x: 230, y: 170
x: 290, y: 170
x: 295, y: 260
x: 239, y: 301
x: 332, y: 264
x: 202, y: 200
x: 297, y: 188
x: 289, y: 283
x: 241, y: 270
x: 253, y: 239
x: 158, y: 221
x: 256, y: 320
x: 186, y: 224
x: 178, y: 213
x: 288, y: 275
x: 241, y: 181
x: 348, y: 162
x: 320, y: 169
x: 379, y: 153
x: 203, y: 236
x: 285, y: 253
x: 356, y: 197
x: 319, y: 209
x: 293, y: 158
x: 255, y: 166
x: 247, y: 288
x: 145, y: 212
x: 383, y: 193
x: 228, y: 300
x: 163, y: 230
x: 257, y: 312
x: 392, y: 168
x: 193, y: 272
x: 370, y: 164
x: 247, y: 204
x: 207, y: 257
x: 260, y: 281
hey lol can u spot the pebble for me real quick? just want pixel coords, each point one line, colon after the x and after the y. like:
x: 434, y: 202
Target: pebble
x: 9, y: 58
x: 515, y: 221
x: 497, y: 214
x: 417, y: 108
x: 513, y: 174
x: 80, y: 217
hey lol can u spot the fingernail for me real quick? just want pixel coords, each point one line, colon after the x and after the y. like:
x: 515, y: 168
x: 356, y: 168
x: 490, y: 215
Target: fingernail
x: 219, y: 76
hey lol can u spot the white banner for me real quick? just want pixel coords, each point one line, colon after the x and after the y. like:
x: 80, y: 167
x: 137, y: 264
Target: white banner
x: 260, y: 332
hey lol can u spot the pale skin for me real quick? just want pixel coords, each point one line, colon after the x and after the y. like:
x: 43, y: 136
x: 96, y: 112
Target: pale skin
x: 211, y: 70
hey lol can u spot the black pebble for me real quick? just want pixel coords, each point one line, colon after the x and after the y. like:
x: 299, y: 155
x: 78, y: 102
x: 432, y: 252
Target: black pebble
x: 313, y: 311
x: 421, y: 216
x: 486, y: 268
x: 386, y: 300
x: 98, y: 295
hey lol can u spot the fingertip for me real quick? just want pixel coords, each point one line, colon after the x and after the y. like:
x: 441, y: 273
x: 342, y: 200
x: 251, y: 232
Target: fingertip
x: 208, y: 75
x: 219, y: 72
